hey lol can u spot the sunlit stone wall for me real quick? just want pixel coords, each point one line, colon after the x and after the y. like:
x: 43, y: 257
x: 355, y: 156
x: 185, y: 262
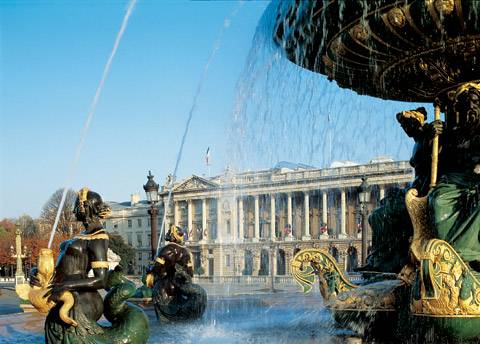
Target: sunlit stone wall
x: 236, y: 220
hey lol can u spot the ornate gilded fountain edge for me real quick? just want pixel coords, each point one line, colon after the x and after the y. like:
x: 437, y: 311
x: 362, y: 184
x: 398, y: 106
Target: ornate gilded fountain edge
x: 445, y: 285
x: 312, y: 261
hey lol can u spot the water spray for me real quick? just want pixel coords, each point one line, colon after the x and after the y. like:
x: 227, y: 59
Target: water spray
x: 216, y: 47
x: 93, y: 107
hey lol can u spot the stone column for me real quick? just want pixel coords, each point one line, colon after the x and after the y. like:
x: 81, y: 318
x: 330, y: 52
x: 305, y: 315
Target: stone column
x: 176, y: 215
x: 234, y: 220
x: 325, y: 212
x: 221, y: 258
x: 219, y: 221
x: 256, y: 262
x: 306, y: 204
x: 382, y: 192
x: 274, y: 253
x: 272, y: 216
x: 343, y: 215
x: 190, y: 221
x: 166, y: 212
x: 256, y: 235
x: 204, y: 221
x: 241, y: 219
x: 289, y: 237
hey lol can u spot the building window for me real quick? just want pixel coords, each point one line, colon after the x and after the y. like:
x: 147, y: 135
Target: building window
x: 227, y: 260
x: 139, y: 256
x: 139, y: 222
x: 149, y: 238
x: 129, y: 222
x: 229, y: 231
x: 129, y: 239
x: 139, y: 240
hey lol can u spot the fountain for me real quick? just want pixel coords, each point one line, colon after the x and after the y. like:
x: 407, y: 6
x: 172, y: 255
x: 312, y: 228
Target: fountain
x: 411, y: 51
x: 174, y: 295
x: 414, y: 51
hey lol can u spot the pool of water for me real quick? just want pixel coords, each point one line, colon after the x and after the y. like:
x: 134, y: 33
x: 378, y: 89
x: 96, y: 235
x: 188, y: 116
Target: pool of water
x: 259, y: 318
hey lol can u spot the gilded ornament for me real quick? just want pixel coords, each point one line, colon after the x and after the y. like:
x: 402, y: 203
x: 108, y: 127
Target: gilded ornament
x: 447, y: 273
x: 396, y: 17
x: 444, y: 6
x: 338, y: 47
x: 359, y: 32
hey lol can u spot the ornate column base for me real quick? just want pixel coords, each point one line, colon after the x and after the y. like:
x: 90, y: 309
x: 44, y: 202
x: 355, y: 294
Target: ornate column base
x: 306, y: 237
x: 19, y: 279
x: 342, y: 236
x: 289, y: 238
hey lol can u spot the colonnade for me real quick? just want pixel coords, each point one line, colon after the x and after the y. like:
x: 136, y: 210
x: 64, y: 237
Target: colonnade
x: 270, y: 216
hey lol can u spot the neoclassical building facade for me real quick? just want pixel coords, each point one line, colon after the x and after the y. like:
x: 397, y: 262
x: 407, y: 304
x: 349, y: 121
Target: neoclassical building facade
x: 236, y: 221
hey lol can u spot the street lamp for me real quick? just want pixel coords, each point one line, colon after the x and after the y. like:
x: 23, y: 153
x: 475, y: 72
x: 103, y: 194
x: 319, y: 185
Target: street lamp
x: 151, y: 189
x: 364, y: 199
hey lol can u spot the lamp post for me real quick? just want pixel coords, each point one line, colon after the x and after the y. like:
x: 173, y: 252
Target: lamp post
x: 19, y: 275
x: 364, y: 199
x: 151, y: 189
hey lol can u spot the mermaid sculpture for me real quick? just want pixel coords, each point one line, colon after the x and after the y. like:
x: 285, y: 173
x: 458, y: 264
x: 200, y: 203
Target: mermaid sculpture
x: 72, y: 297
x: 175, y: 297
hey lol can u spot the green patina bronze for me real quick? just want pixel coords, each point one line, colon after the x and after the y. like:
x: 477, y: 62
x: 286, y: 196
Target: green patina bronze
x: 129, y: 324
x: 175, y: 296
x: 429, y: 232
x: 78, y: 304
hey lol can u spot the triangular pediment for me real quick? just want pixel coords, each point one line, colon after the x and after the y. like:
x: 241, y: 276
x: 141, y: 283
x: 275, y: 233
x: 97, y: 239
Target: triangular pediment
x: 195, y: 183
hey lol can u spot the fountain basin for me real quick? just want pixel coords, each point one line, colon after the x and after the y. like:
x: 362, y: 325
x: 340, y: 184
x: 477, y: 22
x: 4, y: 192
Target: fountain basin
x: 400, y: 50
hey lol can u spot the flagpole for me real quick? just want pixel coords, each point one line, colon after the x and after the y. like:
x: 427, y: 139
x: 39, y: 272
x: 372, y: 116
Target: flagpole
x: 207, y: 161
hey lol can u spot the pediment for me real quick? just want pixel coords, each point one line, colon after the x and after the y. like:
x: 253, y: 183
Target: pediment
x: 195, y: 183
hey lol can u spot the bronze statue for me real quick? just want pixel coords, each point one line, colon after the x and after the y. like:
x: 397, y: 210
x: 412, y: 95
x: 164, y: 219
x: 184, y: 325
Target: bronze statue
x: 73, y: 298
x: 174, y: 295
x: 390, y: 222
x: 454, y: 202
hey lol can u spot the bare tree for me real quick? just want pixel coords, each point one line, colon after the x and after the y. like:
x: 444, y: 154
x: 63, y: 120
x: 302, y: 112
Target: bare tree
x: 27, y: 225
x: 67, y: 223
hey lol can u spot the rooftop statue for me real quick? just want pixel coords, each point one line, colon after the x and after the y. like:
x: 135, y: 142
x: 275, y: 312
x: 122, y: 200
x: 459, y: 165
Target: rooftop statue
x: 72, y: 298
x: 175, y: 297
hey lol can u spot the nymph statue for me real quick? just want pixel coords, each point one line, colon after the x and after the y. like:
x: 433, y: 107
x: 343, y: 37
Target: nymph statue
x: 454, y: 201
x: 390, y: 222
x: 77, y: 303
x: 175, y: 297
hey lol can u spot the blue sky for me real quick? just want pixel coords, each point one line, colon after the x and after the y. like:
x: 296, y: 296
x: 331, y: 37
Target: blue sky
x: 52, y: 56
x: 51, y: 60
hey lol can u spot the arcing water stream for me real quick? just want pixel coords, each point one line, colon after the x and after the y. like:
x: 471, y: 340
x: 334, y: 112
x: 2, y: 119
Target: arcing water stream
x: 91, y: 112
x: 216, y: 46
